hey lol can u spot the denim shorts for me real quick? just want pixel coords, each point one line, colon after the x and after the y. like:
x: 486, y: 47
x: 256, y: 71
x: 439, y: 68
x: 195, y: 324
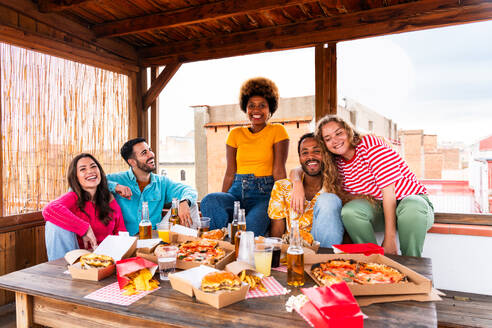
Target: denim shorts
x: 249, y: 186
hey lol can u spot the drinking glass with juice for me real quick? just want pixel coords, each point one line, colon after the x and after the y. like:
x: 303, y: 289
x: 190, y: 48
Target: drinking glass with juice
x: 263, y: 258
x: 163, y: 232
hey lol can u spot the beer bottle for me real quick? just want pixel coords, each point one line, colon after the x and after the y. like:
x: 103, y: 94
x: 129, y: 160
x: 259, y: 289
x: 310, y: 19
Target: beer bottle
x: 241, y: 226
x: 295, y: 257
x: 145, y: 226
x: 174, y: 219
x: 237, y: 206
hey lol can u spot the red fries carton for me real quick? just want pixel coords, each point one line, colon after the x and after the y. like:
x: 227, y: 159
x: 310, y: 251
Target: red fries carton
x: 130, y: 265
x: 332, y: 306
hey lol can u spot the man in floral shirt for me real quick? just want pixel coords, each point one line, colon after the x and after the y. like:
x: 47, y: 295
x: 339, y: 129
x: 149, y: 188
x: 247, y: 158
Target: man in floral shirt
x: 321, y: 215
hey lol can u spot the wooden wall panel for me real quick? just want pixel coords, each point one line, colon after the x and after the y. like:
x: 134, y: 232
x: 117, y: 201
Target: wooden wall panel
x: 18, y: 250
x: 7, y: 262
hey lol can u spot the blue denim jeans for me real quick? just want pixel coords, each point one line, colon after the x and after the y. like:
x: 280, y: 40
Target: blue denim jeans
x: 254, y: 195
x: 327, y: 222
x: 58, y: 241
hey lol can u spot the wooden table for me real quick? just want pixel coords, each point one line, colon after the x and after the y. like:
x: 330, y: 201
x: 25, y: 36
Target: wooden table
x: 47, y: 296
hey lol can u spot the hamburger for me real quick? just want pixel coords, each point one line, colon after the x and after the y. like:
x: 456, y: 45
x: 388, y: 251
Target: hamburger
x: 220, y: 280
x: 92, y: 260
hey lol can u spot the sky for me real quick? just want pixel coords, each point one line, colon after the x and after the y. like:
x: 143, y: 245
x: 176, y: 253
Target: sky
x: 438, y: 80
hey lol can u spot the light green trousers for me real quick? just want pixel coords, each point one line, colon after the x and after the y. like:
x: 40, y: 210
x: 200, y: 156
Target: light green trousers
x: 414, y: 216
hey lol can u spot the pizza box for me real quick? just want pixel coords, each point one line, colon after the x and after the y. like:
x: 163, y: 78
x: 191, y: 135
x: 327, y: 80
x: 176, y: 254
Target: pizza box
x: 433, y: 296
x: 177, y: 238
x: 118, y: 247
x: 189, y: 281
x: 417, y: 284
x: 147, y: 245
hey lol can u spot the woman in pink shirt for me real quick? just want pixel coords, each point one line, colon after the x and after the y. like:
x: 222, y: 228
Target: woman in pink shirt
x: 83, y: 217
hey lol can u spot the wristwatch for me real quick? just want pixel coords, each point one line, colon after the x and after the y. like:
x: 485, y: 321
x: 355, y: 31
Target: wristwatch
x: 186, y: 200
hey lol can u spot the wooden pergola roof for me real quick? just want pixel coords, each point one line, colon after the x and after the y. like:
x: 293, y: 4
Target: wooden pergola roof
x: 159, y: 32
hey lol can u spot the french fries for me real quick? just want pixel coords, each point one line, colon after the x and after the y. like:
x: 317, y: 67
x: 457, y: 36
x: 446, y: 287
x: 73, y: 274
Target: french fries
x: 140, y: 280
x: 253, y: 281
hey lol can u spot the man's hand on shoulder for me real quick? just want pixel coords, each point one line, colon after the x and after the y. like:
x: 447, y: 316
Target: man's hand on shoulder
x: 123, y: 191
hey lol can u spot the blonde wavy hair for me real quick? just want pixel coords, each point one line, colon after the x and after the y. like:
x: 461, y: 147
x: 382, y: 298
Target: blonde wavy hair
x: 332, y: 181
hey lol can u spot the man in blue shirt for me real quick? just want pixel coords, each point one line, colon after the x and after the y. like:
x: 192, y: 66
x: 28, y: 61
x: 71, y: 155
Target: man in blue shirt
x: 139, y: 184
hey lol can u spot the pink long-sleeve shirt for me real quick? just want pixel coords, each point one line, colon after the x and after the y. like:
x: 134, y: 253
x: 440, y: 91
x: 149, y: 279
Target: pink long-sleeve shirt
x: 65, y: 213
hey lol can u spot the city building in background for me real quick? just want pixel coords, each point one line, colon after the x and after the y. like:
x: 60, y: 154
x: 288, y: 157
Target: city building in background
x: 213, y: 123
x: 458, y: 178
x: 176, y: 159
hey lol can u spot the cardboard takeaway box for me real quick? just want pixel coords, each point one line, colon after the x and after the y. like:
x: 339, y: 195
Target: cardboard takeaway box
x: 118, y: 247
x: 417, y: 283
x: 147, y: 245
x: 189, y: 281
x: 177, y: 238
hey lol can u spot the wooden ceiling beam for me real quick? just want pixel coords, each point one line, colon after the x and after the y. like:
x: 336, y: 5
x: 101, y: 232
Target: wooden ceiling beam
x: 56, y: 21
x: 400, y: 18
x: 49, y: 6
x: 188, y: 16
x: 159, y: 84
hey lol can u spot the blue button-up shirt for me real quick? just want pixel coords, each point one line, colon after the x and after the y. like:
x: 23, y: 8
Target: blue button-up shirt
x: 158, y: 192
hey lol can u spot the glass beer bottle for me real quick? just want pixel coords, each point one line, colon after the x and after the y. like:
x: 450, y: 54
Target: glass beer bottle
x: 241, y: 226
x: 174, y: 219
x: 145, y: 226
x: 295, y: 257
x: 234, y: 223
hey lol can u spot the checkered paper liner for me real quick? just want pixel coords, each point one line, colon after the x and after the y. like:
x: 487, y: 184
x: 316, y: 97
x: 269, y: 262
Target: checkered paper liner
x: 274, y: 288
x: 113, y: 294
x: 282, y: 268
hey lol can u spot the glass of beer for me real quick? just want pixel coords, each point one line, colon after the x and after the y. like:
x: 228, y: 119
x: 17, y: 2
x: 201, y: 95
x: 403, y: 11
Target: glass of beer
x: 204, y: 225
x: 163, y: 231
x: 263, y: 258
x: 295, y: 267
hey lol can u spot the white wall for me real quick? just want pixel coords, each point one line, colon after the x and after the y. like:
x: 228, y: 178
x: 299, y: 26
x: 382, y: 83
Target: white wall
x: 460, y: 263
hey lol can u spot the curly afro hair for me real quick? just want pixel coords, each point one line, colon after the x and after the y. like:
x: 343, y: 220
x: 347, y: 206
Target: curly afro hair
x: 259, y: 86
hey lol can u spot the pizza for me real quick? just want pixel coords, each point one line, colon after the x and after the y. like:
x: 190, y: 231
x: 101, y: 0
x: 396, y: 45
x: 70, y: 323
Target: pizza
x: 203, y: 251
x: 217, y: 234
x: 354, y: 272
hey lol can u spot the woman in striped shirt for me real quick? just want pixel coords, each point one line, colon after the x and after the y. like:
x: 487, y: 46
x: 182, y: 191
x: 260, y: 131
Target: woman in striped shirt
x: 393, y: 199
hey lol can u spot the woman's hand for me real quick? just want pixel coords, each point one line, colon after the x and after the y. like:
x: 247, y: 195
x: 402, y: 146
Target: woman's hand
x: 89, y: 239
x: 123, y: 191
x: 389, y: 245
x: 184, y: 214
x: 298, y: 195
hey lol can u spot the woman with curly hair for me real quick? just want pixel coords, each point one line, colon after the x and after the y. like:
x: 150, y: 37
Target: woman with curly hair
x: 386, y: 195
x: 83, y: 217
x: 256, y: 156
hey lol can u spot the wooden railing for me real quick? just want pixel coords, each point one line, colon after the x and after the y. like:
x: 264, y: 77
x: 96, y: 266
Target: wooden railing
x: 472, y: 219
x: 21, y: 221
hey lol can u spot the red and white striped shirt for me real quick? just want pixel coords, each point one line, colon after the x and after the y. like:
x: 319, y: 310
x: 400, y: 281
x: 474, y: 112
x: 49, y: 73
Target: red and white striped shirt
x: 375, y: 166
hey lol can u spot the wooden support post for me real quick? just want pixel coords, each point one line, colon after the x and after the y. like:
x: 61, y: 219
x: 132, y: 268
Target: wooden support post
x: 23, y: 305
x: 159, y: 84
x: 154, y: 120
x: 1, y: 144
x: 134, y: 104
x: 143, y: 114
x: 326, y: 80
